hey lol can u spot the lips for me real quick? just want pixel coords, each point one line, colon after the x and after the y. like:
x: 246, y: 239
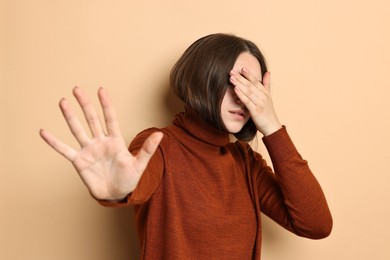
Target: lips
x: 240, y: 113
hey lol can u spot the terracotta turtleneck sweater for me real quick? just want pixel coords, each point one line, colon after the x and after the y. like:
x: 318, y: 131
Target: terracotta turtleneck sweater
x: 201, y: 196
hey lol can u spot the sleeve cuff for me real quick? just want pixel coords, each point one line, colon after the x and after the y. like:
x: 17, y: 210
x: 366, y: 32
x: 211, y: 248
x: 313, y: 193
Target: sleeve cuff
x: 115, y: 203
x: 279, y: 145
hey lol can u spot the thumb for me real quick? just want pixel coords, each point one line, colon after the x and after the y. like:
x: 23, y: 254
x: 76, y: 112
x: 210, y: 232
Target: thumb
x: 148, y: 148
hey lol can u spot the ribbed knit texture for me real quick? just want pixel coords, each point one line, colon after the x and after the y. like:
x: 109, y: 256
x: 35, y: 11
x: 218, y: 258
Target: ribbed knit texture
x: 201, y: 196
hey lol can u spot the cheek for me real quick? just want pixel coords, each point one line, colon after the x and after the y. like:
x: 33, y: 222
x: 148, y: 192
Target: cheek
x: 229, y: 97
x: 224, y: 102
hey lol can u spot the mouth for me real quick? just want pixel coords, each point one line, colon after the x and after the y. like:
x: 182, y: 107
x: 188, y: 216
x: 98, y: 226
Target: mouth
x: 239, y: 113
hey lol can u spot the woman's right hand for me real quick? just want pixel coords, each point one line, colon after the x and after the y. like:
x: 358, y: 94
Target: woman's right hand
x: 103, y: 161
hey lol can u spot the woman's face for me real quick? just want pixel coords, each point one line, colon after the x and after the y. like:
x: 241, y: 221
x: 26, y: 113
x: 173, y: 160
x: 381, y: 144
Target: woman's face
x: 234, y: 113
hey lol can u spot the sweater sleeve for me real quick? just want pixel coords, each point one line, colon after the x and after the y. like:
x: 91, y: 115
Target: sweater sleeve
x: 150, y: 179
x: 291, y: 196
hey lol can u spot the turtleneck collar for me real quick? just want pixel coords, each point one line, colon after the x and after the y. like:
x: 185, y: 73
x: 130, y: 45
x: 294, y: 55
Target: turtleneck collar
x: 192, y: 123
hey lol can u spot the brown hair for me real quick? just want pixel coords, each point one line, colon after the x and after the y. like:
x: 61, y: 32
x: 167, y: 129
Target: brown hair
x: 201, y: 76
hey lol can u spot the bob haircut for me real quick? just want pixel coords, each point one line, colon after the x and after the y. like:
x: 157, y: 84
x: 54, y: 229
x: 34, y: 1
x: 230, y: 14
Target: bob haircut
x: 201, y: 77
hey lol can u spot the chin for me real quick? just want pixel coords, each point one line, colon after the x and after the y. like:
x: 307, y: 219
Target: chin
x: 234, y: 129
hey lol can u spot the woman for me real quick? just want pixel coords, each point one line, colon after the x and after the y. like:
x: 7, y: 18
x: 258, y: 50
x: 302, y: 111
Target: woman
x: 196, y: 194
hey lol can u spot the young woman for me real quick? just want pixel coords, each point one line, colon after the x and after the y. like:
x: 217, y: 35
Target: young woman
x: 196, y: 194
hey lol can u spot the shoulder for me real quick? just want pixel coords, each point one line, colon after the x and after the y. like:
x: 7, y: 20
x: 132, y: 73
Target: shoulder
x: 140, y: 138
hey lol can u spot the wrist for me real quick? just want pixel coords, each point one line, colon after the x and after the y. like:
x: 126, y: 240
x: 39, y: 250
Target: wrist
x: 120, y: 192
x: 267, y: 123
x: 270, y: 129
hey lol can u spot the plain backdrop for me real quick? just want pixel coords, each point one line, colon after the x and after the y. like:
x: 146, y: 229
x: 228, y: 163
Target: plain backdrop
x: 329, y: 62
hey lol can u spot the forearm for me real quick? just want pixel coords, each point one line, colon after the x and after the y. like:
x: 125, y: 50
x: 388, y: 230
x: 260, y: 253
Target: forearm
x: 302, y: 199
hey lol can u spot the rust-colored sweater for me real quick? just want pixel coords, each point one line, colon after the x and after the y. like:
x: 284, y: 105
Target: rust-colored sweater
x: 201, y: 196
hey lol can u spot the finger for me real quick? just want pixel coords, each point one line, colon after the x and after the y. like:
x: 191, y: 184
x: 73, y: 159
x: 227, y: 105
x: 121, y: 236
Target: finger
x: 249, y: 76
x: 109, y: 113
x: 89, y: 112
x: 245, y: 79
x: 245, y: 98
x: 248, y: 92
x: 73, y: 123
x: 62, y: 148
x: 267, y: 80
x: 147, y: 150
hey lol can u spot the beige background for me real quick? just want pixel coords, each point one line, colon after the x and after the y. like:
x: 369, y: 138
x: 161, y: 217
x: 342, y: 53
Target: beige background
x: 329, y: 62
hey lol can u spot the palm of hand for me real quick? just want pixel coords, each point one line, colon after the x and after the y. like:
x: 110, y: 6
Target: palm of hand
x: 106, y: 166
x: 103, y: 162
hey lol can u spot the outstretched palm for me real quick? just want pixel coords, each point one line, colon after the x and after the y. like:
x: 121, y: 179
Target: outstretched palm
x: 103, y: 162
